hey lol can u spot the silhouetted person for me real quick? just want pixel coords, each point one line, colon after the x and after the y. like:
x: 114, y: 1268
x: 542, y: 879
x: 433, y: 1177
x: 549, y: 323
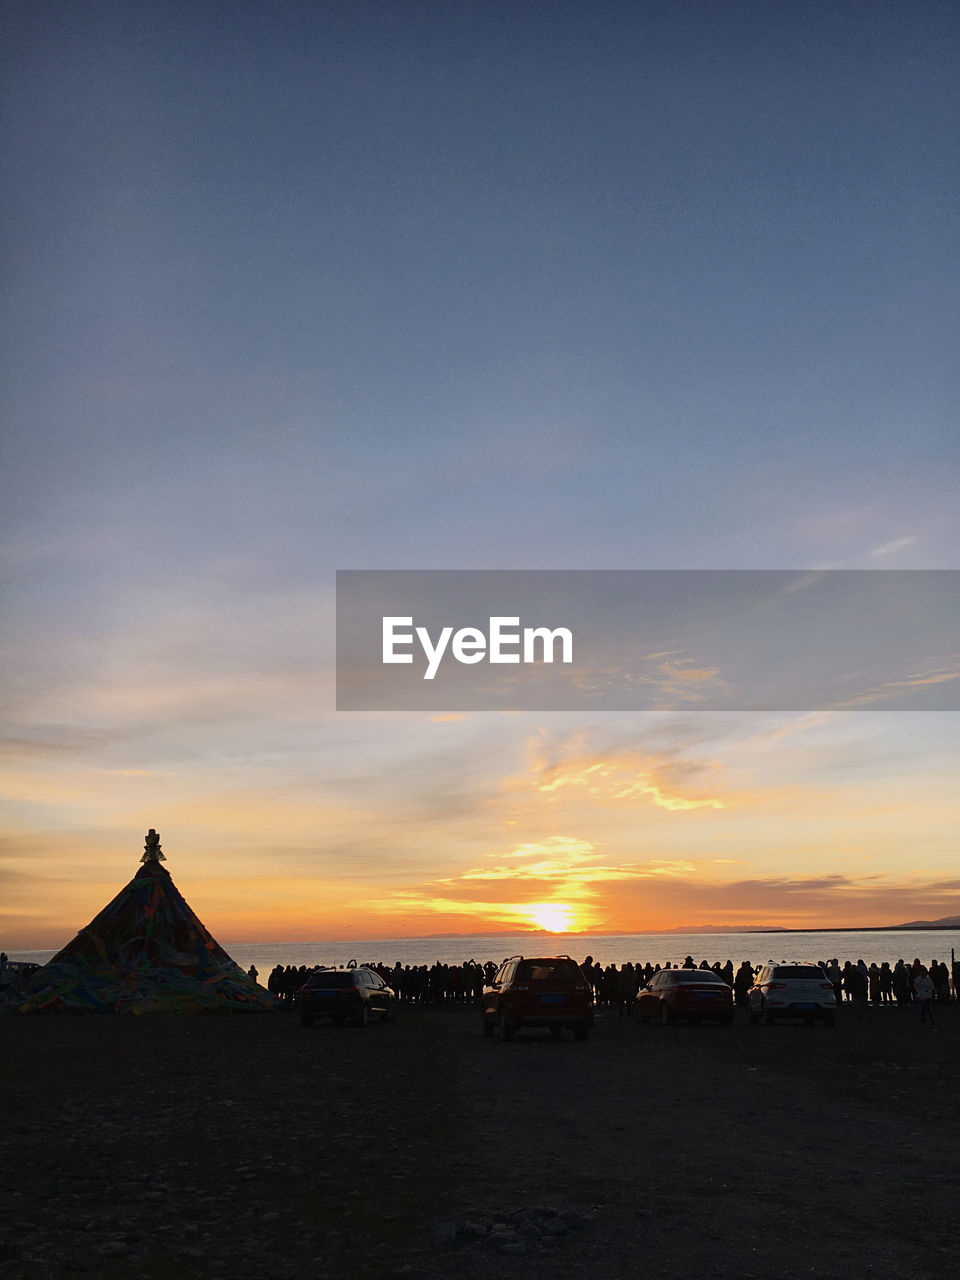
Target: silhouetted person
x: 855, y: 985
x: 923, y: 990
x: 742, y: 983
x: 886, y: 982
x: 901, y: 984
x: 940, y: 977
x: 626, y: 990
x: 873, y: 982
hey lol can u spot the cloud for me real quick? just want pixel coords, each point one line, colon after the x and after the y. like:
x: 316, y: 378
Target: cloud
x: 518, y: 884
x: 661, y: 685
x: 618, y: 774
x: 677, y: 672
x: 893, y: 689
x: 898, y: 544
x: 789, y: 726
x: 660, y: 894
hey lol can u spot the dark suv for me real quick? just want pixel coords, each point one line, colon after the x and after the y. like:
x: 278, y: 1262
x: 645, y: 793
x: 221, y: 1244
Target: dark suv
x: 346, y: 995
x: 538, y: 991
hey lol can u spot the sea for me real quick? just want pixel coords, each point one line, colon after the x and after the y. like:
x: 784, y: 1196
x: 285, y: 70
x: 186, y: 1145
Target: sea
x: 758, y: 947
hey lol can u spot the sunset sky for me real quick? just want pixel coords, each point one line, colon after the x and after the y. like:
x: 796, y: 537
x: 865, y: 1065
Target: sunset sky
x: 305, y: 287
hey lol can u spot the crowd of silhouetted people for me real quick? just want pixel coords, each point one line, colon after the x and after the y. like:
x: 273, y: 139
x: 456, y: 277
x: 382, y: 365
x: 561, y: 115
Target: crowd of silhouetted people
x: 861, y: 986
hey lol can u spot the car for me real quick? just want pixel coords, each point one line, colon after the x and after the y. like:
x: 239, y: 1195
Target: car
x: 797, y: 990
x: 356, y: 995
x: 538, y: 991
x: 690, y: 994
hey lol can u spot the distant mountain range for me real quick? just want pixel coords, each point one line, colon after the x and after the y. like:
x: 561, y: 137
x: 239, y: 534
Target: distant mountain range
x: 945, y: 922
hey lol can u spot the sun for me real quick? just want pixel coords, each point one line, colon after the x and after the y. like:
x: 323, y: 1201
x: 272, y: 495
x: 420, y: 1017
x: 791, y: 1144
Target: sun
x: 553, y: 917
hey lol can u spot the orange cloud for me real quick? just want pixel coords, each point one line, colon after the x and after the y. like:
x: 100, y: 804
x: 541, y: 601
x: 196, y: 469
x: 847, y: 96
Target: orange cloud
x: 619, y: 776
x: 654, y: 898
x: 561, y: 878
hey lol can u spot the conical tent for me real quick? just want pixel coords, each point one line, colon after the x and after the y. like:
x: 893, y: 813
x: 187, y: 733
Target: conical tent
x: 146, y: 952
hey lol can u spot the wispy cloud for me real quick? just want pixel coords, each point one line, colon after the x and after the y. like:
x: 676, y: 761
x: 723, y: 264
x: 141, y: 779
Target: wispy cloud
x: 893, y: 689
x: 619, y: 775
x: 898, y: 544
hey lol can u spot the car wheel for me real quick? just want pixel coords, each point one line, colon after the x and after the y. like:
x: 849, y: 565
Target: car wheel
x: 769, y: 1018
x: 363, y: 1017
x: 726, y: 1020
x: 829, y: 1019
x: 581, y: 1032
x: 666, y: 1017
x: 507, y: 1029
x: 488, y: 1029
x: 556, y: 1033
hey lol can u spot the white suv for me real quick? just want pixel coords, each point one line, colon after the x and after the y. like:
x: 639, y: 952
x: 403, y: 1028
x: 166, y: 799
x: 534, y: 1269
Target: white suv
x: 792, y: 991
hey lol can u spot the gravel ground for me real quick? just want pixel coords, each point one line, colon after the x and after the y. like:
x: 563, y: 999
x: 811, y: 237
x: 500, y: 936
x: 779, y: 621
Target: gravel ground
x: 247, y: 1147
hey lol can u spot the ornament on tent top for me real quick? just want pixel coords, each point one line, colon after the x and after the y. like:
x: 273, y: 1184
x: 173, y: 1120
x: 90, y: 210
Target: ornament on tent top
x: 151, y: 849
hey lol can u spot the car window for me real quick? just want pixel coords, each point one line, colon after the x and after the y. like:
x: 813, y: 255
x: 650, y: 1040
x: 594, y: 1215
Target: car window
x: 332, y: 978
x: 697, y: 975
x: 809, y: 971
x: 548, y: 971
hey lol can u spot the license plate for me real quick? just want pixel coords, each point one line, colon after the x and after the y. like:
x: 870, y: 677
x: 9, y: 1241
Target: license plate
x: 804, y: 1006
x: 551, y: 999
x: 706, y: 995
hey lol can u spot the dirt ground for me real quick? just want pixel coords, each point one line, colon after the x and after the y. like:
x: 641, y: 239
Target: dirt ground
x: 249, y: 1148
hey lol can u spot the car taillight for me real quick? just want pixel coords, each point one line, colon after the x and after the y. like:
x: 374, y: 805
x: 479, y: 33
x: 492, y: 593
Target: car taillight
x: 521, y: 986
x: 776, y: 986
x: 825, y: 986
x: 581, y: 986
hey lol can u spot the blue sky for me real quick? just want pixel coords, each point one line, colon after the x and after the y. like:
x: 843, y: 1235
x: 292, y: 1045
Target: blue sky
x: 304, y: 287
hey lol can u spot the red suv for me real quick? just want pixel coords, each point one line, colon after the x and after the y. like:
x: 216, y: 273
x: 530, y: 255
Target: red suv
x: 538, y: 991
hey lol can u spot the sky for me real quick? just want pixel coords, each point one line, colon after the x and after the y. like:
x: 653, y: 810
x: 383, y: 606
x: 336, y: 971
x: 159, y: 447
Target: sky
x: 293, y: 288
